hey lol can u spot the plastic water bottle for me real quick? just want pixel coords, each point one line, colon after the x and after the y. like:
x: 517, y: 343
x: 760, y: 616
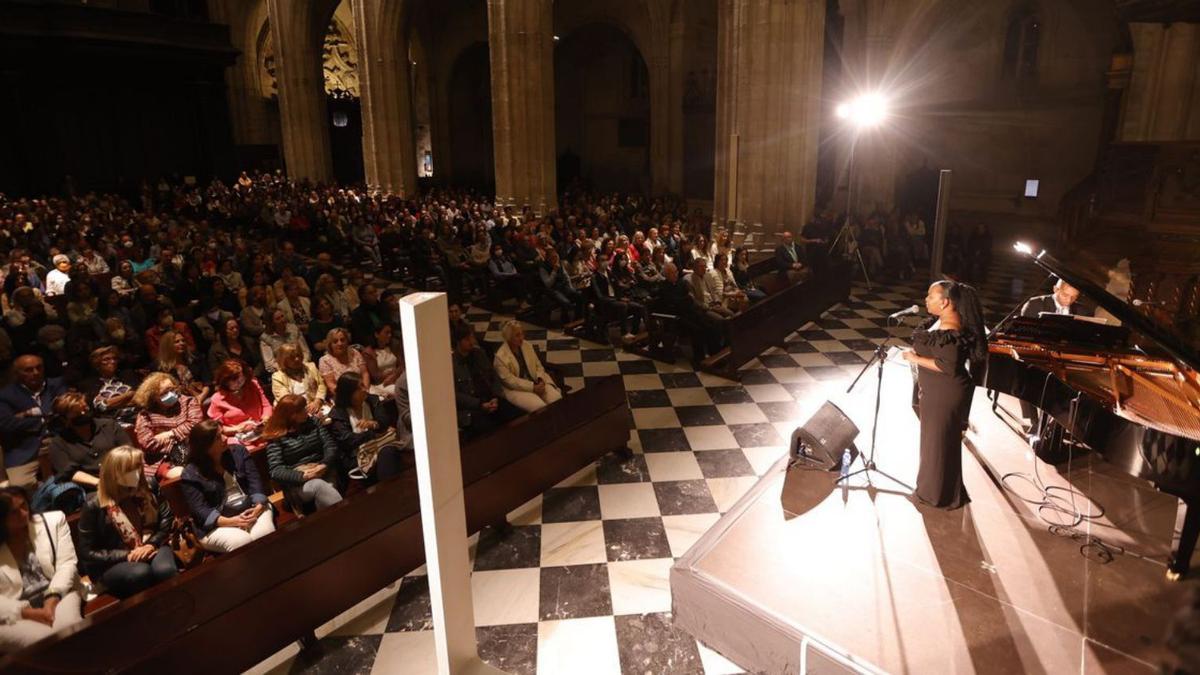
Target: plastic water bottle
x: 846, y: 459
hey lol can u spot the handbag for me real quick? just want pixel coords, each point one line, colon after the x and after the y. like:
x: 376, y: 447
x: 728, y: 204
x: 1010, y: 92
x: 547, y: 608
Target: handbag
x: 184, y: 543
x: 368, y: 452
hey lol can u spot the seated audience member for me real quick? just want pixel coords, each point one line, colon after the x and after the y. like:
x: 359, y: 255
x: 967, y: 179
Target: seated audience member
x: 296, y: 307
x: 478, y: 394
x: 367, y: 316
x: 165, y: 419
x: 81, y: 441
x: 789, y: 259
x: 299, y: 377
x: 735, y: 299
x: 124, y: 526
x: 610, y: 303
x: 166, y: 323
x: 232, y: 344
x: 324, y: 320
x: 383, y: 364
x: 257, y: 312
x: 327, y: 289
x: 210, y: 323
x: 224, y: 491
x: 239, y: 404
x: 705, y: 291
x: 674, y: 296
x: 339, y: 358
x: 526, y: 383
x: 505, y: 275
x: 177, y: 359
x: 557, y: 282
x: 59, y: 277
x: 301, y: 454
x: 357, y: 417
x: 278, y: 333
x: 24, y: 406
x: 40, y: 591
x: 110, y: 389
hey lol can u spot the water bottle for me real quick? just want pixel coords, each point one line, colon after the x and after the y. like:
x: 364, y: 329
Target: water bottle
x: 846, y: 459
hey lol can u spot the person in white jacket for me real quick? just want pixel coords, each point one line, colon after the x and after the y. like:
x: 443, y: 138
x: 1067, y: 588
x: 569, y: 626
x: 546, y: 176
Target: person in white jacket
x: 40, y: 591
x: 527, y: 385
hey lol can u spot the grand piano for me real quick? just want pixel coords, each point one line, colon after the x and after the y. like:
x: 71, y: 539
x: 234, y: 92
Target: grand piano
x: 1129, y: 392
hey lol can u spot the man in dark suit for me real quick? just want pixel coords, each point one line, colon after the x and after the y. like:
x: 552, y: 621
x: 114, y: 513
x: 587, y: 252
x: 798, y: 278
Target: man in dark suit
x: 478, y: 394
x: 674, y: 296
x: 1064, y: 300
x: 24, y: 406
x: 789, y: 261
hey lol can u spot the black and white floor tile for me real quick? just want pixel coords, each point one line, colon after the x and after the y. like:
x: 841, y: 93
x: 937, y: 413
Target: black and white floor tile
x: 579, y: 582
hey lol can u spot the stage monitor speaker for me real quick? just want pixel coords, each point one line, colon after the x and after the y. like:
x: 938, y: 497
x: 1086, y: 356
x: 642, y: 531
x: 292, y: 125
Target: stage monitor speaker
x: 823, y: 438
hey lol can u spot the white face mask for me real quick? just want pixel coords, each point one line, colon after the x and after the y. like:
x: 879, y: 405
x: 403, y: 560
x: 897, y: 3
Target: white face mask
x: 130, y: 480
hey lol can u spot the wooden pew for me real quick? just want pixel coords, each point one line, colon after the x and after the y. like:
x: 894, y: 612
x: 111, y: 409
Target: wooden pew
x: 229, y: 615
x: 768, y: 322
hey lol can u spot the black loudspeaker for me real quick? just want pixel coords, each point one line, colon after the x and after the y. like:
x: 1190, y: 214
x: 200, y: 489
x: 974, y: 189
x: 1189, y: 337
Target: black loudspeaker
x: 823, y: 438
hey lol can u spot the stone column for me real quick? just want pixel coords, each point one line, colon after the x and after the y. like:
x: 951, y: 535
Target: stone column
x: 768, y: 110
x: 521, y: 44
x: 389, y: 157
x: 298, y: 30
x: 1162, y: 102
x: 666, y: 69
x: 248, y: 110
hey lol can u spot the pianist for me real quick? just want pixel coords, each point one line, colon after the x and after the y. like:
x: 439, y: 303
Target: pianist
x: 1064, y: 300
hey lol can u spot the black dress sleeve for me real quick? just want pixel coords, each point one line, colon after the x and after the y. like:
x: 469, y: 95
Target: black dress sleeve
x: 943, y: 346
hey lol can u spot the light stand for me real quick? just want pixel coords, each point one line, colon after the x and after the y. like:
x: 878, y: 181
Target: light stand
x: 869, y: 467
x: 846, y: 231
x: 863, y: 112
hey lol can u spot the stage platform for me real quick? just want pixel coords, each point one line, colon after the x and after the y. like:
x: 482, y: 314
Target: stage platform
x: 855, y: 579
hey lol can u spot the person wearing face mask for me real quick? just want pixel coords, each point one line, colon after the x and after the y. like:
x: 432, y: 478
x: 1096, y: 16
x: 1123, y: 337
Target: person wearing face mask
x: 210, y: 323
x: 224, y: 491
x: 163, y: 423
x: 239, y: 405
x: 123, y: 528
x: 81, y: 440
x: 301, y: 454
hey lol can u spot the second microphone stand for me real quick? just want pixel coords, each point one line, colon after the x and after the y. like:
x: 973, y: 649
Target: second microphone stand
x: 869, y: 466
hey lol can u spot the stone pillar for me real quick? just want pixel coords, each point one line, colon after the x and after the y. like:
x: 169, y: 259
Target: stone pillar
x: 768, y: 110
x: 298, y: 30
x: 389, y: 157
x: 1162, y: 102
x: 521, y: 44
x: 248, y: 110
x: 666, y: 69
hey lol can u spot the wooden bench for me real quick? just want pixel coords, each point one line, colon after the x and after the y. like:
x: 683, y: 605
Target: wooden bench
x: 229, y: 615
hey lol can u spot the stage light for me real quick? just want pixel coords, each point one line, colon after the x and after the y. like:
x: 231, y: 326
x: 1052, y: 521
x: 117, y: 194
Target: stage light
x: 864, y: 111
x: 1023, y: 248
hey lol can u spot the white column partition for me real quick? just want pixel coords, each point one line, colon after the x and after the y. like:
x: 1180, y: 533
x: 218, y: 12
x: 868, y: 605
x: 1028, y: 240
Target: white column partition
x: 426, y: 328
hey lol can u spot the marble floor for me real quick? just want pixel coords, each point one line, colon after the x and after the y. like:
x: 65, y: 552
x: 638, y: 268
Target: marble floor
x: 579, y: 584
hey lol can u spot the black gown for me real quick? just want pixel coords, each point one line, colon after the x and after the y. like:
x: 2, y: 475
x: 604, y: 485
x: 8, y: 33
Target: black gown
x: 945, y: 404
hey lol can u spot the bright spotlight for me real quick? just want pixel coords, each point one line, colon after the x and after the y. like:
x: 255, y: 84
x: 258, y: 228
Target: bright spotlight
x: 1023, y: 248
x: 864, y: 111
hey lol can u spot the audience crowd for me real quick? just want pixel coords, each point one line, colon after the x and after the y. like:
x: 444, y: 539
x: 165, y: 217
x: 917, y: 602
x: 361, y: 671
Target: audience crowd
x: 171, y: 335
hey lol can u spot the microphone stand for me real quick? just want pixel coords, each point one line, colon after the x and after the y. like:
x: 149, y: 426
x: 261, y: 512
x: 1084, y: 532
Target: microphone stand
x: 869, y: 465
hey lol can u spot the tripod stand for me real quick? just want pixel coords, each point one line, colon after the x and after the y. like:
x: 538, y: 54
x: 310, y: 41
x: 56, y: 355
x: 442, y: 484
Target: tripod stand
x: 869, y: 465
x: 846, y: 231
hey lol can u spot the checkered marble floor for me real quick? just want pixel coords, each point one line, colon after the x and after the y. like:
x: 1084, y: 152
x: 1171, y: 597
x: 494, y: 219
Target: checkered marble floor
x: 579, y: 584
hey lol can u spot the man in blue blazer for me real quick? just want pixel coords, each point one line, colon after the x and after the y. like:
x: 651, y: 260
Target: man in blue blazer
x: 25, y: 406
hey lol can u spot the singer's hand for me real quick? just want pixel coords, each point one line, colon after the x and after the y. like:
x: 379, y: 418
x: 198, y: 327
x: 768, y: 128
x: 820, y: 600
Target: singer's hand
x: 909, y: 355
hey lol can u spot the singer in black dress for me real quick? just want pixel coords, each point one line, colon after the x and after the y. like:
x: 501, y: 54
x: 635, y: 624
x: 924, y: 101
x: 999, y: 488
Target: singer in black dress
x: 941, y: 353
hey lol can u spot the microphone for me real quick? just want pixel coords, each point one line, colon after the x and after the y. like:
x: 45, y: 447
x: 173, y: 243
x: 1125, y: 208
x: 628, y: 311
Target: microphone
x: 915, y: 309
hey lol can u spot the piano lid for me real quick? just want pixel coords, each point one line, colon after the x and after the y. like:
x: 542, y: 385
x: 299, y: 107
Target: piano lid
x: 1161, y: 339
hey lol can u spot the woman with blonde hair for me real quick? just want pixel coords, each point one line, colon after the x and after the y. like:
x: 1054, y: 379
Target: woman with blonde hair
x: 298, y: 376
x: 162, y: 425
x: 340, y: 358
x: 527, y: 385
x: 124, y: 526
x: 176, y: 358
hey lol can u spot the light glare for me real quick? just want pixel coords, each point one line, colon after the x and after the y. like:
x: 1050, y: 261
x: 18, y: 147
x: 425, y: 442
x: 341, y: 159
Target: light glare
x: 867, y: 110
x: 1022, y: 247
